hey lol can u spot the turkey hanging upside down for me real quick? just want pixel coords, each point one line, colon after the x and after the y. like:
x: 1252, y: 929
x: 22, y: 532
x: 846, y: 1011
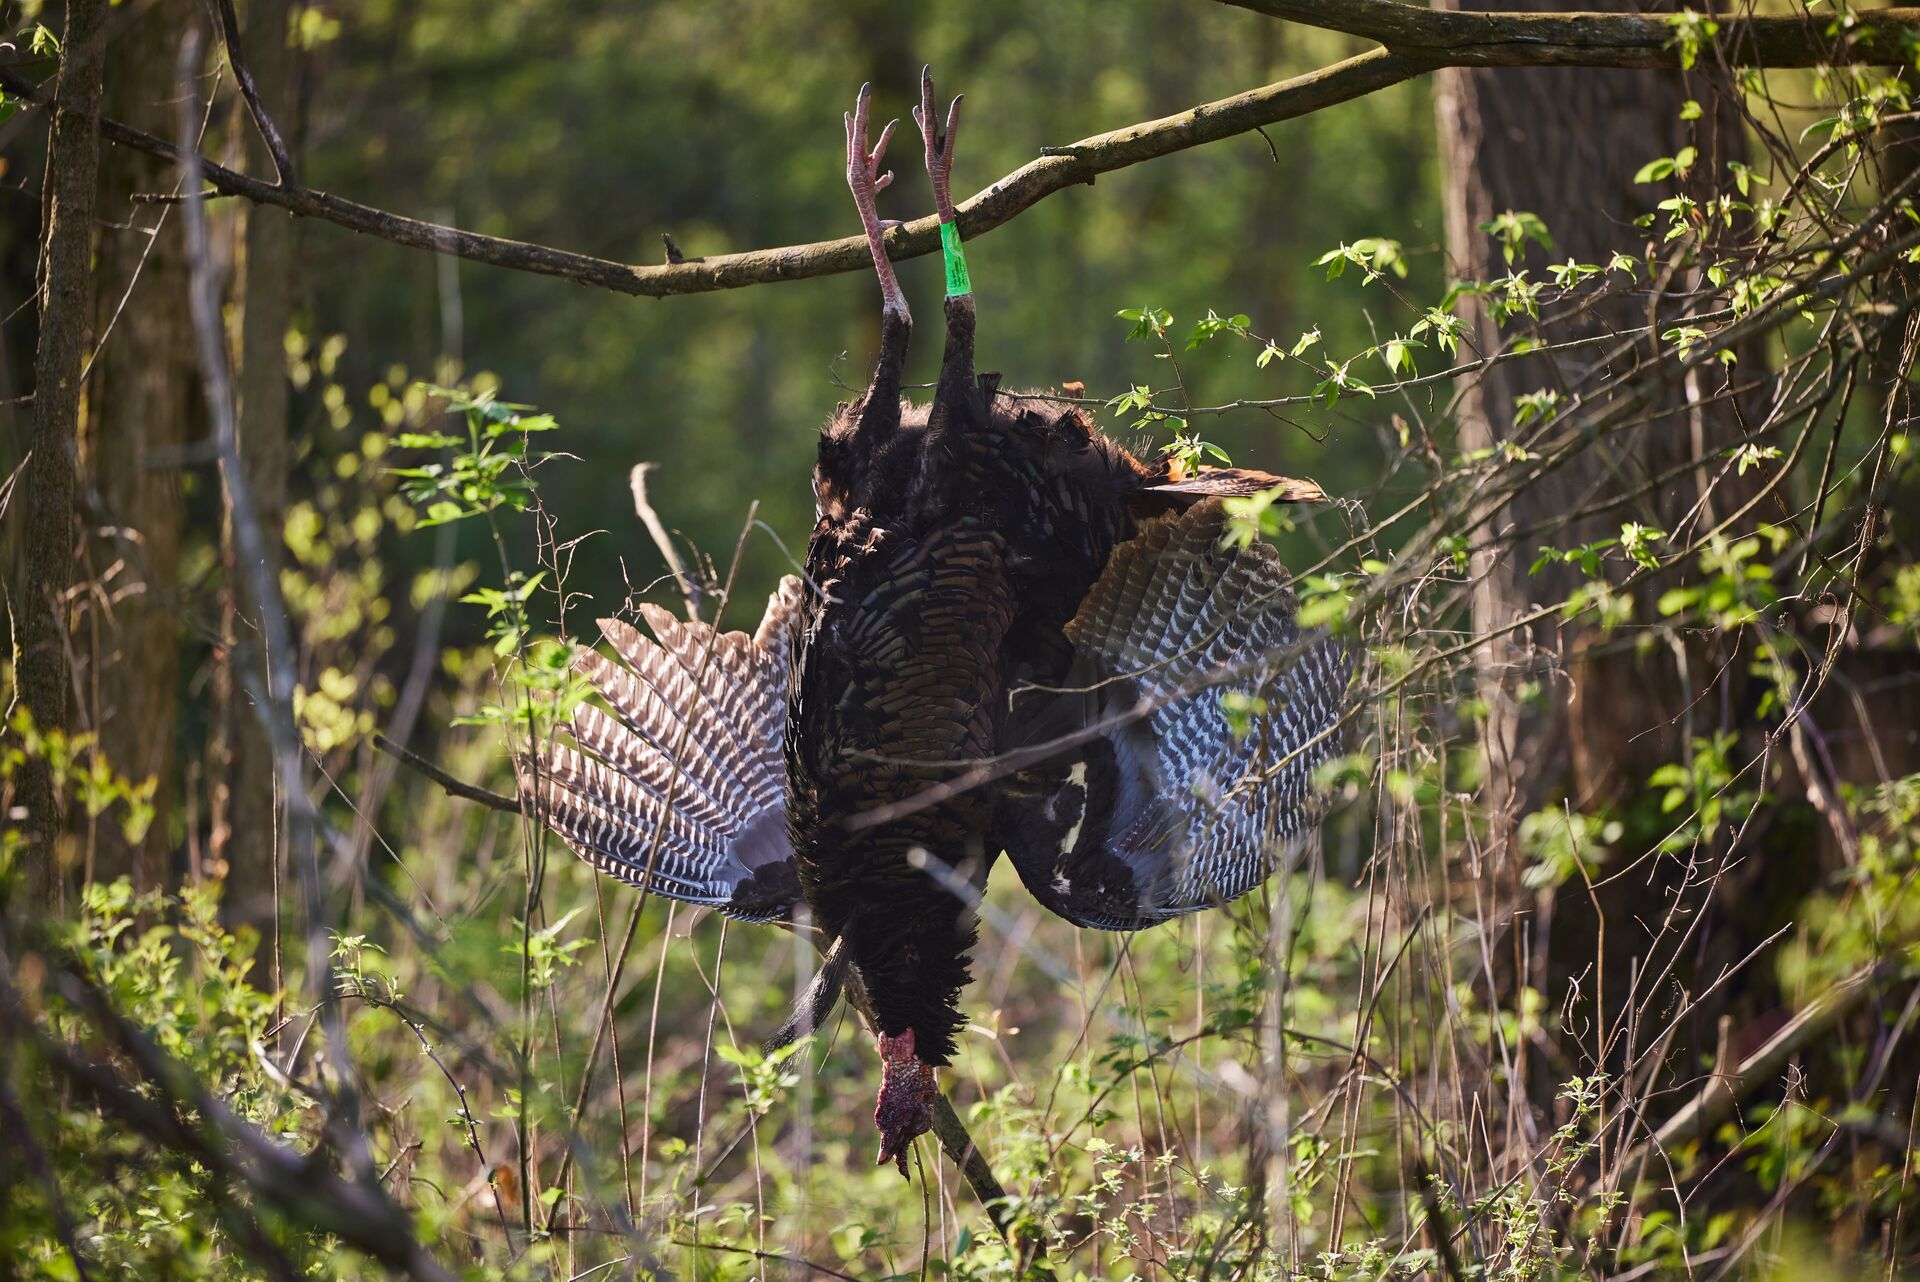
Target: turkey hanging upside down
x: 1013, y: 635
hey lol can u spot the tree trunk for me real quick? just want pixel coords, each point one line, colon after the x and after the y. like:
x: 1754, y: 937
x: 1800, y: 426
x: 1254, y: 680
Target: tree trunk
x: 43, y: 672
x: 1575, y: 718
x: 1566, y: 147
x: 140, y: 402
x: 254, y: 842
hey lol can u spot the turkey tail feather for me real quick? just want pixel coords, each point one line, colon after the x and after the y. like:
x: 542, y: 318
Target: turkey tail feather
x: 679, y: 786
x: 817, y: 1002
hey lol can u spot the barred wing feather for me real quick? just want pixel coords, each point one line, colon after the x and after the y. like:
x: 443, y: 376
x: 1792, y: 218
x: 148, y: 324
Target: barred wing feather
x: 1162, y: 809
x: 679, y: 783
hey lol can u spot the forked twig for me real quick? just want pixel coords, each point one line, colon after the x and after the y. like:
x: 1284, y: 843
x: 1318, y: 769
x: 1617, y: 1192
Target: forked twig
x: 229, y: 24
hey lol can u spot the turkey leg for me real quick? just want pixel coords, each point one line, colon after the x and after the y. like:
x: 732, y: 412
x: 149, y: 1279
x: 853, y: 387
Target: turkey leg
x: 866, y: 180
x: 956, y: 363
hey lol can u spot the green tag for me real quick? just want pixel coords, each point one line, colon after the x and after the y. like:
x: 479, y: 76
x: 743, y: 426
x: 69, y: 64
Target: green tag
x: 957, y: 282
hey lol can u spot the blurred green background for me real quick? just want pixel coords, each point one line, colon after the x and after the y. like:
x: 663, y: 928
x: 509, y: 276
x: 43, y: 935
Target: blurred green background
x: 598, y: 127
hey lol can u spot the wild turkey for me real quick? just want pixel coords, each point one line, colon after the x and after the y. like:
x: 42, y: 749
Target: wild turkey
x: 1013, y: 635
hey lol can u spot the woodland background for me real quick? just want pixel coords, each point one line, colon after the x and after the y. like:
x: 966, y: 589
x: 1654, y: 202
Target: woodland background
x: 1607, y: 965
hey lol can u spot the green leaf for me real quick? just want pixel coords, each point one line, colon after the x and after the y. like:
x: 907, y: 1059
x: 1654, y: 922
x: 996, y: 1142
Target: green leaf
x: 1148, y: 322
x: 1212, y: 325
x: 1654, y: 170
x: 425, y: 441
x: 1513, y: 228
x: 1637, y: 541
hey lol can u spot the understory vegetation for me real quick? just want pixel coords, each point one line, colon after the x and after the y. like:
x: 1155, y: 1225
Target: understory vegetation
x: 1607, y: 963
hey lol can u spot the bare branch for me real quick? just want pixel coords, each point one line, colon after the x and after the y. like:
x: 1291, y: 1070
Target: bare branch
x: 229, y: 25
x: 1417, y: 41
x: 1055, y: 170
x: 690, y: 588
x: 451, y: 786
x: 1457, y: 38
x: 1728, y: 1085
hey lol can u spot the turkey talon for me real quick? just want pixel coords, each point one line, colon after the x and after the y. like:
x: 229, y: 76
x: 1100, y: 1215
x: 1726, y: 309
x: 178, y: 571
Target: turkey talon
x: 939, y: 143
x: 864, y: 175
x: 866, y: 180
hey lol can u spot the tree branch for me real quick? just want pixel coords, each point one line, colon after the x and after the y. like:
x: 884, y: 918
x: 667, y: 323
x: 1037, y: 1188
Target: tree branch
x: 1416, y: 41
x: 276, y: 146
x: 449, y: 784
x: 165, y: 1103
x: 1729, y: 1084
x: 1457, y: 38
x: 1056, y: 169
x: 691, y: 590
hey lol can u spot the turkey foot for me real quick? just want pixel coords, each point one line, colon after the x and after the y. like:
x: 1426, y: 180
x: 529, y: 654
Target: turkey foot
x: 939, y: 143
x: 956, y: 383
x: 866, y: 180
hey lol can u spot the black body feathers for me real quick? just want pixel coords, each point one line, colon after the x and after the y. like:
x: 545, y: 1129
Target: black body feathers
x: 1012, y: 636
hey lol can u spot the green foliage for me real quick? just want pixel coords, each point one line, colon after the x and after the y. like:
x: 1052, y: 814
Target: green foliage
x: 1563, y: 846
x: 1186, y: 448
x: 1691, y: 32
x: 183, y: 982
x: 545, y: 953
x: 765, y: 1076
x: 1513, y: 229
x: 78, y: 772
x: 1635, y: 542
x: 489, y: 469
x: 1256, y: 516
x: 1387, y: 1052
x: 1213, y: 325
x: 1373, y: 255
x: 1701, y: 792
x: 1736, y: 587
x: 1148, y: 322
x: 1678, y: 165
